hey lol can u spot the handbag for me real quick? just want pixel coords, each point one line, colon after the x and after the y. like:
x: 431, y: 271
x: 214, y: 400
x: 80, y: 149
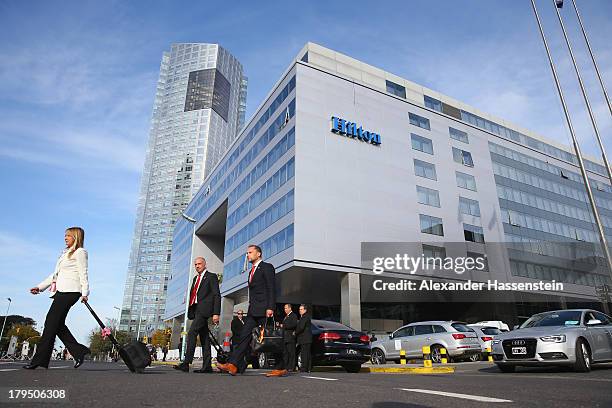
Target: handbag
x: 267, y: 339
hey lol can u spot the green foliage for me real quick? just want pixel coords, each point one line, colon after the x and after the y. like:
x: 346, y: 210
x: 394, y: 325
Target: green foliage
x: 100, y: 346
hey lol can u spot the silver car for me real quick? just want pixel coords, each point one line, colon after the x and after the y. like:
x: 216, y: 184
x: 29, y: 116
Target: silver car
x: 459, y: 340
x: 576, y: 338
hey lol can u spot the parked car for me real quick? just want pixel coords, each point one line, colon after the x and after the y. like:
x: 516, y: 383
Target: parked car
x: 576, y: 338
x: 336, y: 344
x: 493, y: 323
x: 457, y: 338
x: 486, y: 336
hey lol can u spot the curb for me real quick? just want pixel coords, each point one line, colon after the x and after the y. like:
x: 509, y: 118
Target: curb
x: 388, y: 370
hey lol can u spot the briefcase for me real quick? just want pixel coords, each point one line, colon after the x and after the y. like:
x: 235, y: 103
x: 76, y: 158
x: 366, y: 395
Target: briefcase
x: 267, y: 338
x: 135, y: 355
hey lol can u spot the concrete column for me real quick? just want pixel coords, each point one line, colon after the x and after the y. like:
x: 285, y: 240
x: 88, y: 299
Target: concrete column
x: 350, y: 300
x: 227, y: 314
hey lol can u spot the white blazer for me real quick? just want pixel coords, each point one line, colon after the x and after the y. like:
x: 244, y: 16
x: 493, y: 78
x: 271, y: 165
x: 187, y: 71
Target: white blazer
x: 71, y: 273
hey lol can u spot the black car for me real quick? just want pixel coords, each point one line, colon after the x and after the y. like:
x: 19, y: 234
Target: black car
x: 336, y: 344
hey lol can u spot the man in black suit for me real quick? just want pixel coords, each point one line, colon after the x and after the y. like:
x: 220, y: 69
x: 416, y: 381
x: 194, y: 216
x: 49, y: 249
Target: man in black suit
x: 262, y: 301
x: 289, y: 325
x: 303, y: 332
x: 236, y: 326
x: 204, y: 302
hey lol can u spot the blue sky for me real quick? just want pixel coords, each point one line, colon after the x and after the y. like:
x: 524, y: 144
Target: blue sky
x: 77, y: 81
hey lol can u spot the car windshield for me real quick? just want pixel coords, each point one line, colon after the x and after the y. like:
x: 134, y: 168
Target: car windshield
x: 490, y: 330
x: 327, y: 325
x: 562, y: 318
x: 460, y: 327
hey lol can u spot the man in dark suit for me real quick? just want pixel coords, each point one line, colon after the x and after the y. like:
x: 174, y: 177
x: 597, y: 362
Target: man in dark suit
x: 204, y: 302
x: 289, y: 325
x: 236, y: 326
x: 303, y: 332
x: 262, y: 301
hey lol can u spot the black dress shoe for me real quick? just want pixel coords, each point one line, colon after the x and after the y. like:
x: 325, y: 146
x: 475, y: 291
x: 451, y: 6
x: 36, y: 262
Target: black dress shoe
x: 204, y: 370
x: 32, y: 366
x: 182, y: 367
x: 79, y: 361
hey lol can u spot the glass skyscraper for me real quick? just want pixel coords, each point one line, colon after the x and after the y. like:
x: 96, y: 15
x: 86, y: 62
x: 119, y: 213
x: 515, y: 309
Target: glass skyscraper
x: 198, y: 110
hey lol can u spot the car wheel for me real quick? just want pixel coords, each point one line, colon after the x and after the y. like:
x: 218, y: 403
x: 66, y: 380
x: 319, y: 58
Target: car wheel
x: 583, y: 357
x: 352, y: 368
x: 474, y: 357
x: 378, y: 357
x: 436, y: 355
x: 262, y: 360
x: 299, y: 360
x: 505, y: 368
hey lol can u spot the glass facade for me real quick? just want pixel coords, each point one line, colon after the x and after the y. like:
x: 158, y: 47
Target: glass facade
x: 252, y: 171
x: 198, y: 108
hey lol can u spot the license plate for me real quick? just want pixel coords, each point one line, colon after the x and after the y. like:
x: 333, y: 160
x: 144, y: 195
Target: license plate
x: 519, y: 350
x: 352, y: 352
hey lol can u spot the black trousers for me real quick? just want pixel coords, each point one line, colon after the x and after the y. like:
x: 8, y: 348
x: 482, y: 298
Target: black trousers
x: 243, y: 346
x: 199, y: 327
x: 289, y: 356
x: 305, y: 357
x: 55, y: 325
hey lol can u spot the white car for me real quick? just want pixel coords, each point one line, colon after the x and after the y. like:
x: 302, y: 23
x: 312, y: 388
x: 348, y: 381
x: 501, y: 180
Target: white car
x: 493, y: 323
x: 486, y: 335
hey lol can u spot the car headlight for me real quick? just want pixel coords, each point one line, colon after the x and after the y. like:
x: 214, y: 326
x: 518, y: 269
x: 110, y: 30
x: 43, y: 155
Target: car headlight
x: 556, y: 338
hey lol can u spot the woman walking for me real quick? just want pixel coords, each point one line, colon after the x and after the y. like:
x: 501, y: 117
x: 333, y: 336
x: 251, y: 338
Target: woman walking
x: 67, y: 284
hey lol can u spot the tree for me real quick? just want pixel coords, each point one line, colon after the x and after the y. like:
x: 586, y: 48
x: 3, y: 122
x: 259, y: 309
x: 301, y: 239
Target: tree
x: 10, y: 321
x: 24, y: 332
x: 100, y: 346
x: 160, y: 338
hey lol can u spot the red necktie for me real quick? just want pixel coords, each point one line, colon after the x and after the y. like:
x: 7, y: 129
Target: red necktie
x: 194, y: 291
x: 251, y: 274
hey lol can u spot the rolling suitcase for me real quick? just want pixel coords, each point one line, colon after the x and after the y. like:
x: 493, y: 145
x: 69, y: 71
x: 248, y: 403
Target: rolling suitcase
x: 222, y: 356
x: 135, y: 355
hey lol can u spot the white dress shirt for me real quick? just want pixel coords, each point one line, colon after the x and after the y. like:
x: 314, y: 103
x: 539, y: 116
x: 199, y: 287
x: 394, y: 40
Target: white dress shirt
x: 71, y: 273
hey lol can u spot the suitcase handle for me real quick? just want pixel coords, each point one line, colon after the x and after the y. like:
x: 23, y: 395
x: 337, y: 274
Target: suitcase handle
x: 102, y: 325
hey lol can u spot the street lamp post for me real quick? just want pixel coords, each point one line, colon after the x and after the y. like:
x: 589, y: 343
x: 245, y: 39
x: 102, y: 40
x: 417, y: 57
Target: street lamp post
x: 141, y: 305
x: 184, y: 333
x: 5, y: 317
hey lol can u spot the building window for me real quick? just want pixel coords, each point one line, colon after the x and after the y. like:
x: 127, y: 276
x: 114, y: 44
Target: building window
x: 485, y: 261
x: 396, y: 89
x: 473, y: 233
x: 419, y: 121
x: 463, y: 157
x: 466, y: 181
x: 432, y: 251
x: 421, y: 143
x: 432, y: 103
x: 459, y: 135
x: 469, y: 207
x: 428, y: 196
x: 431, y: 225
x: 424, y: 169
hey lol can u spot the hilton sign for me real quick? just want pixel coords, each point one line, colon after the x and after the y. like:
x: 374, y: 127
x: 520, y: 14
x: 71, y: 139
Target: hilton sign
x: 350, y: 129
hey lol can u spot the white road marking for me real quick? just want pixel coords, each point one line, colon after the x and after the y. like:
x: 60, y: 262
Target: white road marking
x: 9, y: 369
x: 320, y: 378
x: 545, y: 377
x: 54, y: 368
x: 456, y: 395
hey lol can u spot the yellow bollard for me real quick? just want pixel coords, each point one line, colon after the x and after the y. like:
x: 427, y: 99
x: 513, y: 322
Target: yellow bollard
x: 489, y: 355
x: 402, y: 356
x: 443, y: 358
x: 427, y: 357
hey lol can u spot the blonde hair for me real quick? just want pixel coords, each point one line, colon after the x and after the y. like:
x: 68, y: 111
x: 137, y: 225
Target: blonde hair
x: 79, y: 239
